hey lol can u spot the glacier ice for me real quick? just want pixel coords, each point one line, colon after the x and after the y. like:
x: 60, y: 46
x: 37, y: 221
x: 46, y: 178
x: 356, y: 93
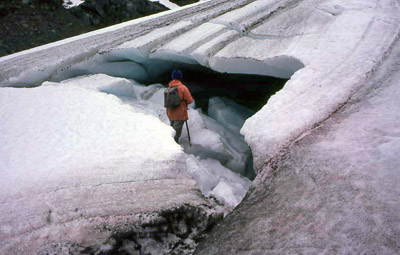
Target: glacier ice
x: 337, y: 189
x: 330, y: 50
x: 211, y: 139
x: 178, y: 49
x: 98, y: 144
x: 70, y: 149
x: 216, y: 180
x: 228, y: 113
x: 139, y: 48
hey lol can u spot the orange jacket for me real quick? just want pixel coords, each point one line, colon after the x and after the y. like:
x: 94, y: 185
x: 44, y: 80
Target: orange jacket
x: 180, y: 112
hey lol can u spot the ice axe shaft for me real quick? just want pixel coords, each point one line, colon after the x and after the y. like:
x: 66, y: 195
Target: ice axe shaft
x: 187, y: 129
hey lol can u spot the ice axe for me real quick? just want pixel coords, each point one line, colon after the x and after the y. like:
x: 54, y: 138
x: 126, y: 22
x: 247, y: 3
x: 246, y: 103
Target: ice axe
x: 187, y: 129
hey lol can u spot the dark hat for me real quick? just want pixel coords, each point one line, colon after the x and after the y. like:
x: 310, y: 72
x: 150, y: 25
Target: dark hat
x: 177, y: 75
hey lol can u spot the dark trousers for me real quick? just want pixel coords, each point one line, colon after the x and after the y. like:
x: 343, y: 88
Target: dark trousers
x: 177, y: 125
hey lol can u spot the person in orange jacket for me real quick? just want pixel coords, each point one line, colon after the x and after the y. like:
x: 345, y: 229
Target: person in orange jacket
x: 177, y: 116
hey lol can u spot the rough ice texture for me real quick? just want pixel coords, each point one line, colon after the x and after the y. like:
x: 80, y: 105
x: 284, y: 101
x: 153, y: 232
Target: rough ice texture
x: 325, y: 144
x: 329, y: 192
x: 84, y: 156
x: 211, y: 139
x: 219, y: 150
x: 140, y: 47
x: 213, y: 179
x: 334, y: 71
x: 228, y: 113
x: 74, y: 159
x: 228, y: 147
x: 336, y: 191
x: 180, y: 47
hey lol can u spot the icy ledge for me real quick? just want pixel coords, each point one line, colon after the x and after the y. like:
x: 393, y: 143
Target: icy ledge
x: 89, y: 164
x: 334, y: 70
x: 82, y: 171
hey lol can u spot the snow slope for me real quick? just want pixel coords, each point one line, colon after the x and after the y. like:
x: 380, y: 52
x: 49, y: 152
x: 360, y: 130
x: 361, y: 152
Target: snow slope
x: 73, y: 159
x: 330, y: 50
x: 337, y: 189
x: 231, y: 36
x: 99, y: 146
x: 167, y: 4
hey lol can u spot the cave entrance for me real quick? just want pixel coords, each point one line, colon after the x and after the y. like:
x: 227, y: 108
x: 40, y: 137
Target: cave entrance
x: 242, y: 95
x: 250, y: 91
x: 218, y: 158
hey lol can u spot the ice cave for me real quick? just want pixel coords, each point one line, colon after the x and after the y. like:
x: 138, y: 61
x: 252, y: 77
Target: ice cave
x: 296, y: 113
x: 218, y: 158
x: 223, y: 102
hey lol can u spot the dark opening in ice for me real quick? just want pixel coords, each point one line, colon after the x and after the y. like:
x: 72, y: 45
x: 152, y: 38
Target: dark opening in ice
x: 251, y: 91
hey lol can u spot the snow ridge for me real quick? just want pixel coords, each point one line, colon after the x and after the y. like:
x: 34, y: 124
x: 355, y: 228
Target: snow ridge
x: 32, y: 67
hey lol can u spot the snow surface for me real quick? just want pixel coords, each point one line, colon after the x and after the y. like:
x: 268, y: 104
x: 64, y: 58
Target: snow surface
x: 227, y: 146
x: 72, y: 3
x: 166, y: 3
x: 53, y: 129
x: 210, y: 139
x: 309, y: 33
x: 70, y: 155
x: 329, y: 49
x: 70, y: 149
x: 86, y: 122
x: 214, y: 179
x: 171, y: 5
x: 228, y: 113
x: 139, y: 48
x: 178, y: 48
x: 336, y: 191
